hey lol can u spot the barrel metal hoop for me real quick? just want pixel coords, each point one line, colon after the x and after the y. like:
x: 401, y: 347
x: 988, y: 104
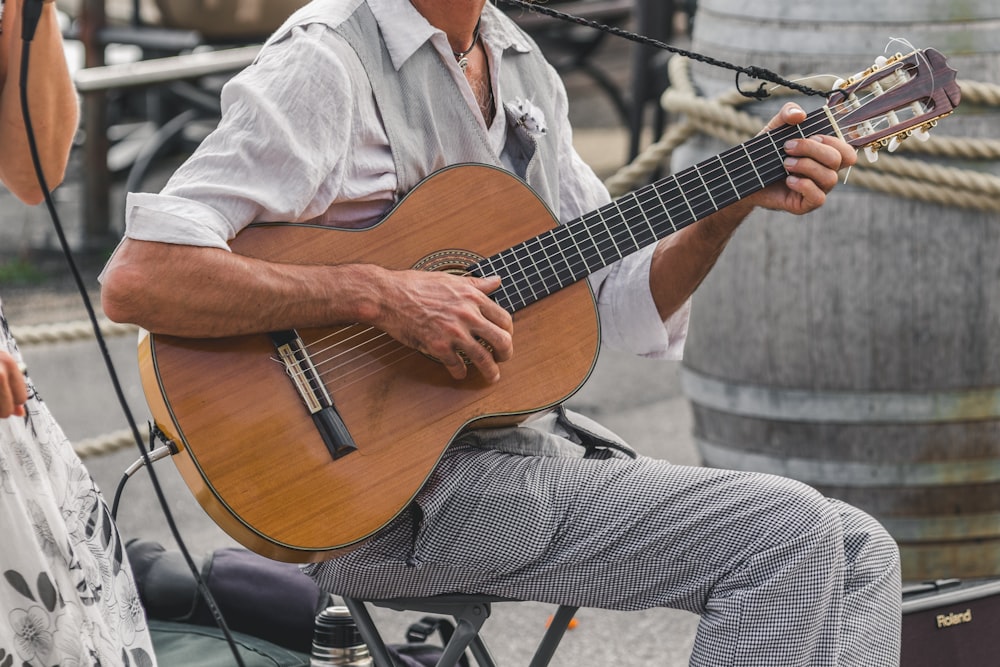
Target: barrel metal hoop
x: 956, y: 528
x: 847, y: 407
x: 852, y: 473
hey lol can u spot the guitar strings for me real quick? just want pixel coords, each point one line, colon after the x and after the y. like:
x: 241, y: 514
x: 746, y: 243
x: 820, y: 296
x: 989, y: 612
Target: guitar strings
x: 759, y: 149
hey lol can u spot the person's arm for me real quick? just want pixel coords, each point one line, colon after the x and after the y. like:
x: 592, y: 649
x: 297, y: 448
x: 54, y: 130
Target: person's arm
x: 681, y: 261
x: 51, y: 98
x: 13, y: 392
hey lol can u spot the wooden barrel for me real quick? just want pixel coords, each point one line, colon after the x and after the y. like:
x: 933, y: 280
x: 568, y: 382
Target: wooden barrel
x: 858, y: 348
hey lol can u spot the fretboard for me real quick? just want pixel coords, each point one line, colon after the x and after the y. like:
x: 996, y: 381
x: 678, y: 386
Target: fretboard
x: 560, y: 257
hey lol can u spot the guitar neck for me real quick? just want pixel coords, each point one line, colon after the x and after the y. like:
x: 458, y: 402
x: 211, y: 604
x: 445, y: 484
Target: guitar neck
x: 560, y: 257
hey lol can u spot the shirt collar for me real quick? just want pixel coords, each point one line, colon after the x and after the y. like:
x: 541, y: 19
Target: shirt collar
x: 405, y: 30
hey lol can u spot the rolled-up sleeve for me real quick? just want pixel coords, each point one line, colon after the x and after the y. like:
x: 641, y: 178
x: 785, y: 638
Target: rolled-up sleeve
x: 266, y: 161
x: 170, y: 219
x: 630, y: 320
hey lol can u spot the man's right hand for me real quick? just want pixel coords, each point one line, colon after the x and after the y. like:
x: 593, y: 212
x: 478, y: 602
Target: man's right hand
x: 13, y: 392
x: 450, y: 318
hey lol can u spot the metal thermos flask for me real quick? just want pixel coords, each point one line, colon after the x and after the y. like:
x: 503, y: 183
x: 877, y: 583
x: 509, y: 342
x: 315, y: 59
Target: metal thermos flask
x: 337, y: 641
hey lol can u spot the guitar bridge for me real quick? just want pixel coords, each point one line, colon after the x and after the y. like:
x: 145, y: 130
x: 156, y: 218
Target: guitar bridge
x: 299, y: 366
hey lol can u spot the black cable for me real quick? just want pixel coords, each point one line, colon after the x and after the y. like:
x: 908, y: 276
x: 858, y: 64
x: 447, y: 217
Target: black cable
x: 752, y: 71
x: 32, y: 10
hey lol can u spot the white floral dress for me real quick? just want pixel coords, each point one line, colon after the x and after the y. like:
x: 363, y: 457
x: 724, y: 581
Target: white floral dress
x: 67, y: 595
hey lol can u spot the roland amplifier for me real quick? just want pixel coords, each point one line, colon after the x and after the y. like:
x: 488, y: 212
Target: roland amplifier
x: 951, y: 623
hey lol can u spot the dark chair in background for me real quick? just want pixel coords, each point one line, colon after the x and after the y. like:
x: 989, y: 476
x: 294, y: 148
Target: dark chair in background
x: 130, y: 125
x: 571, y: 47
x: 129, y: 128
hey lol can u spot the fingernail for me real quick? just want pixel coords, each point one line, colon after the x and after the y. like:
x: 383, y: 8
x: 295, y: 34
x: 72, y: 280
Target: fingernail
x: 791, y: 144
x: 790, y: 162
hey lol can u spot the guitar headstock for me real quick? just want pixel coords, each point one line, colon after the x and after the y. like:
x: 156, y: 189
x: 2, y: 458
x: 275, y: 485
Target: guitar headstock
x: 896, y: 98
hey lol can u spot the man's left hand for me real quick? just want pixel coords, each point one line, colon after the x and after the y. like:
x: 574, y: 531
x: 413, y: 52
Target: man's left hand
x: 812, y: 166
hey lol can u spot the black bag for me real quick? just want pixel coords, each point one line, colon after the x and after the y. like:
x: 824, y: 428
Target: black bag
x: 951, y: 622
x: 257, y: 596
x: 187, y: 645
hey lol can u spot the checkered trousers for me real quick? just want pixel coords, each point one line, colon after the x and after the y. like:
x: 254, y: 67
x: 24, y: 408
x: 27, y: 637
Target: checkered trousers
x: 780, y: 575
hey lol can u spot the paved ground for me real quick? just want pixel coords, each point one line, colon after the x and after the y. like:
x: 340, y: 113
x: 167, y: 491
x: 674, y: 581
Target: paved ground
x: 642, y: 401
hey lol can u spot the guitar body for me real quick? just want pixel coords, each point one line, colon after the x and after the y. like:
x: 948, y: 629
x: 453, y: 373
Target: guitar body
x: 248, y: 447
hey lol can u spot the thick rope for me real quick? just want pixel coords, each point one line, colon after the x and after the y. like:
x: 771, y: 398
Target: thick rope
x: 64, y: 332
x: 911, y: 178
x: 109, y: 442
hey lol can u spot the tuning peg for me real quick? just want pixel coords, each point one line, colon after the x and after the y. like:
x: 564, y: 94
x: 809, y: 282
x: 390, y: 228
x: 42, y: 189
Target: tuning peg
x: 920, y: 134
x: 880, y: 62
x: 894, y: 143
x: 871, y: 152
x: 839, y: 83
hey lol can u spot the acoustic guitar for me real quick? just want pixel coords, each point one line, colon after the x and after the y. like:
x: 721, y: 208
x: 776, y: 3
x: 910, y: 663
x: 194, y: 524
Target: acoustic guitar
x: 301, y: 444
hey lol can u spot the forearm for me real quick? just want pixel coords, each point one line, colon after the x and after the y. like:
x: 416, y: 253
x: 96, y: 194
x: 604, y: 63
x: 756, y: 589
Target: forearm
x: 52, y: 104
x: 207, y: 292
x: 682, y: 260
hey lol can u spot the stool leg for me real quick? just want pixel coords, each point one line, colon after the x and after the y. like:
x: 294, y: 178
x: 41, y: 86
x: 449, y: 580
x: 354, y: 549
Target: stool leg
x: 469, y: 621
x: 366, y: 626
x: 481, y: 653
x: 550, y: 642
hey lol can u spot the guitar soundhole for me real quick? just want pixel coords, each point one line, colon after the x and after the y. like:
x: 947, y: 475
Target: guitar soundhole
x: 450, y: 261
x: 456, y: 262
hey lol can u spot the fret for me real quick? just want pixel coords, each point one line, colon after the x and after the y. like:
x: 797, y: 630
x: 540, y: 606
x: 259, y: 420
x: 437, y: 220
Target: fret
x: 646, y: 233
x: 518, y: 278
x: 708, y: 190
x: 580, y: 223
x: 687, y: 182
x: 621, y: 231
x: 503, y: 299
x: 570, y: 237
x: 522, y: 258
x: 539, y: 249
x: 750, y: 162
x: 509, y: 280
x: 738, y: 168
x: 663, y: 207
x: 563, y: 241
x: 726, y: 169
x: 777, y: 151
x: 674, y: 204
x: 634, y: 243
x: 553, y: 254
x: 718, y: 182
x: 775, y: 166
x: 607, y: 229
x: 485, y: 268
x: 602, y: 236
